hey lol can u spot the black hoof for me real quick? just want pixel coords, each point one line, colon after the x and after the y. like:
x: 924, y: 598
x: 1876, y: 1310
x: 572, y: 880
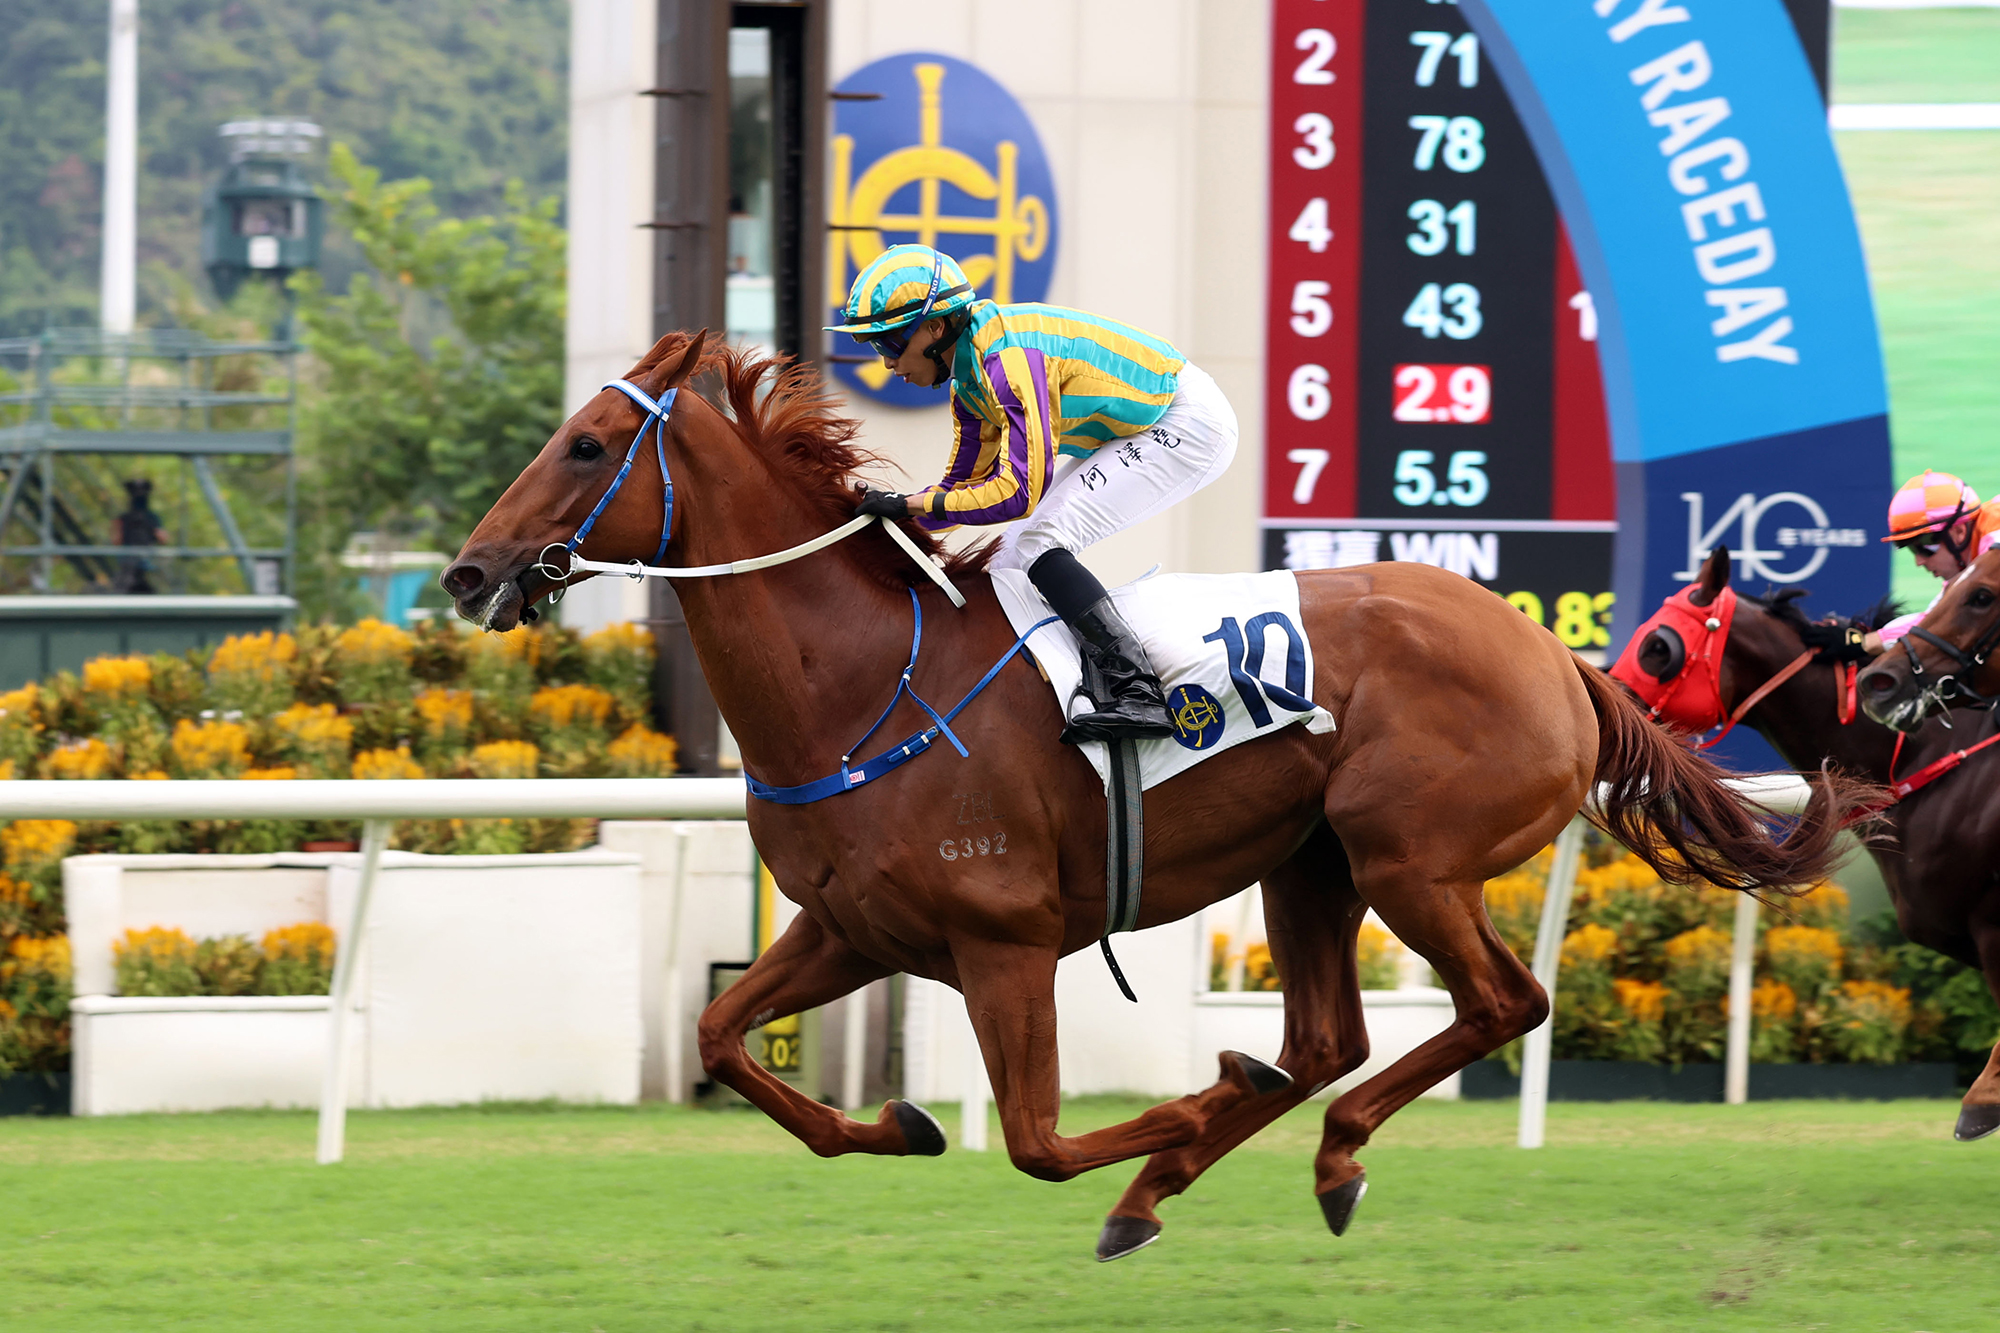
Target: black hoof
x: 1263, y: 1077
x: 1976, y: 1122
x: 1339, y: 1204
x: 922, y: 1134
x: 1122, y: 1235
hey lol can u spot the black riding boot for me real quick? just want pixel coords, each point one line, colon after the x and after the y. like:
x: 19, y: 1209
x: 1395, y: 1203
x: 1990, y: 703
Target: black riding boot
x: 1137, y: 709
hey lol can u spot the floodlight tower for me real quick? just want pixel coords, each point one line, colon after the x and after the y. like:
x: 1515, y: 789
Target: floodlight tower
x: 264, y: 218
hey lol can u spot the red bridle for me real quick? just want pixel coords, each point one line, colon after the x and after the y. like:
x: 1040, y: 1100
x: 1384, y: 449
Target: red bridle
x: 1691, y: 699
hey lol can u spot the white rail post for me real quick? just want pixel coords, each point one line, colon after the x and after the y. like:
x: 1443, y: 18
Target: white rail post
x: 854, y: 1049
x: 1548, y: 958
x: 972, y: 1119
x: 1736, y: 1068
x: 671, y: 1054
x: 333, y: 1090
x: 120, y: 230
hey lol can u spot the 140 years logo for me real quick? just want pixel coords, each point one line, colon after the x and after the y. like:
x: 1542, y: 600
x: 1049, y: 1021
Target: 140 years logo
x: 930, y: 149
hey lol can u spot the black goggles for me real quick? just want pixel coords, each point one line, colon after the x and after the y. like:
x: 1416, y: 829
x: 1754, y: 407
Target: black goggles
x: 1923, y: 546
x: 891, y: 346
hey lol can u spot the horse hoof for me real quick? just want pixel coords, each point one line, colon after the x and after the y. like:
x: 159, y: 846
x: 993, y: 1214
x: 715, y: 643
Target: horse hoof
x: 1122, y: 1235
x: 1339, y: 1203
x: 1265, y: 1078
x: 922, y: 1134
x: 1976, y: 1122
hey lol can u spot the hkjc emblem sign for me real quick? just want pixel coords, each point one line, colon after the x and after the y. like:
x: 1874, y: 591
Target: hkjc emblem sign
x: 930, y: 149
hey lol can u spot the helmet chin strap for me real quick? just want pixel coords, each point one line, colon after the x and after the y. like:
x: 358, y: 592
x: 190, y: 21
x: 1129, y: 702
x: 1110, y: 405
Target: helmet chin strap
x: 937, y: 353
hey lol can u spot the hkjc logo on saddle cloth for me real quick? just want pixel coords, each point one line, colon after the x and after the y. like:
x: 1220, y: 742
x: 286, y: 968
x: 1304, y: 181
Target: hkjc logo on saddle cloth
x: 940, y: 154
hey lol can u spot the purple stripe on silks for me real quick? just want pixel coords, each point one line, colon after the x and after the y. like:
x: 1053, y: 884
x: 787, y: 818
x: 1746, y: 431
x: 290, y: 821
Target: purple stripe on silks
x: 964, y: 458
x: 1017, y: 441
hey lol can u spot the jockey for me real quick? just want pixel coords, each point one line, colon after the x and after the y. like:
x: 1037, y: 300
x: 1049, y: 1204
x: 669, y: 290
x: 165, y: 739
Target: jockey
x: 1144, y: 429
x: 1938, y: 519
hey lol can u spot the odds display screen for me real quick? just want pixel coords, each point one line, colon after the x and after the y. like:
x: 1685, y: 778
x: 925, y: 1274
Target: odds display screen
x: 1432, y: 386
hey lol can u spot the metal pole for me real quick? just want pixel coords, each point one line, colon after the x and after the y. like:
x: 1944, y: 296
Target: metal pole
x: 1736, y: 1071
x: 116, y: 281
x: 333, y: 1090
x: 670, y: 984
x: 1548, y: 958
x: 854, y: 1049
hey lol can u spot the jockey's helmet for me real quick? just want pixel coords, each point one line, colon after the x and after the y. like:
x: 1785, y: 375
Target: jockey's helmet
x: 1929, y: 502
x: 905, y: 285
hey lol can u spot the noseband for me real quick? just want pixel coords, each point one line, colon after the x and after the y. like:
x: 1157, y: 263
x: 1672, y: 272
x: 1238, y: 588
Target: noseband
x: 1951, y: 690
x: 657, y: 413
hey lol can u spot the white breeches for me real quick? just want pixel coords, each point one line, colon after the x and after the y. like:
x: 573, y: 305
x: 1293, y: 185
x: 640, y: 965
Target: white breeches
x: 1131, y: 479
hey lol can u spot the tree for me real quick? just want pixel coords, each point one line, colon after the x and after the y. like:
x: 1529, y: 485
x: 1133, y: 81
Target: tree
x: 439, y: 372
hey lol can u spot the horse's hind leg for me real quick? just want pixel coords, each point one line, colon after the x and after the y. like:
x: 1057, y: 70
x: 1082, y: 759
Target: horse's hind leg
x: 1311, y: 916
x: 803, y: 968
x: 1010, y: 994
x: 1979, y: 1116
x: 1496, y: 998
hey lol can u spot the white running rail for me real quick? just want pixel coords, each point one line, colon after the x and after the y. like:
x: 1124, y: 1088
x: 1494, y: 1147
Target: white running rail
x: 377, y: 804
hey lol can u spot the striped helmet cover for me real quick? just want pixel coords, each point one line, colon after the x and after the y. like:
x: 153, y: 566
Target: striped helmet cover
x: 897, y: 288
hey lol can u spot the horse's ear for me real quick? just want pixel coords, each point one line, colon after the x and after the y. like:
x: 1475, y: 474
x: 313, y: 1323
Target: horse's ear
x: 689, y: 360
x: 1714, y: 577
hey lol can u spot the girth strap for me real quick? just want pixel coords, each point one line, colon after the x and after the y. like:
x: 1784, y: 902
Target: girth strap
x: 1124, y: 851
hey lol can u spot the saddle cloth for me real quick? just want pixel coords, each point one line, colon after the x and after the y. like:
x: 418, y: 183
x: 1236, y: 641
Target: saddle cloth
x: 1230, y: 649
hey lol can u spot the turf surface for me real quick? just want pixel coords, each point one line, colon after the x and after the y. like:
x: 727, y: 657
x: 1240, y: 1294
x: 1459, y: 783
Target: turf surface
x: 1929, y: 205
x: 1772, y: 1216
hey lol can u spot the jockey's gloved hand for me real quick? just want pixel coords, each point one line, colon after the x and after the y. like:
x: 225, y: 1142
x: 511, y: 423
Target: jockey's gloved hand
x: 885, y: 504
x: 1838, y: 641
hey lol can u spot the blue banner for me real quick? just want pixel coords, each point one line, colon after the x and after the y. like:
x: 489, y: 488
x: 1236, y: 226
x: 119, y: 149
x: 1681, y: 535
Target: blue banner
x: 1688, y: 150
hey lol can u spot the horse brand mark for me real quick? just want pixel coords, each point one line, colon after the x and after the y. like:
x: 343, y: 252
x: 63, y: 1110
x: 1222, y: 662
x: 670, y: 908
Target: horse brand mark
x: 974, y: 807
x: 964, y: 849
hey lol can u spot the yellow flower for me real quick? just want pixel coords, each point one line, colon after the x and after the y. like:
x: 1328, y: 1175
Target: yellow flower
x: 270, y: 774
x: 445, y: 712
x: 306, y: 940
x: 643, y: 753
x: 1773, y: 1001
x: 264, y: 656
x: 1803, y: 945
x: 6, y: 770
x: 560, y: 706
x: 620, y: 637
x: 374, y: 641
x: 519, y: 644
x: 1824, y: 905
x: 384, y: 764
x: 1589, y: 944
x: 18, y: 704
x: 84, y: 760
x: 316, y: 725
x: 29, y: 842
x: 210, y: 749
x: 1646, y: 1001
x: 118, y: 676
x: 158, y: 943
x: 1702, y: 946
x: 1876, y: 1000
x: 1378, y: 957
x: 45, y: 954
x: 506, y: 759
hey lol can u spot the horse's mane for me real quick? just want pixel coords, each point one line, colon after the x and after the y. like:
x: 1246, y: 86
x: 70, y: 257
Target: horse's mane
x: 1783, y: 603
x: 782, y: 409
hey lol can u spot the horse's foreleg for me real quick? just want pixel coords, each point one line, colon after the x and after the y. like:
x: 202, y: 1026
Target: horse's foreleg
x: 1495, y: 996
x: 1010, y: 993
x: 803, y: 968
x: 1311, y: 915
x: 1980, y: 1113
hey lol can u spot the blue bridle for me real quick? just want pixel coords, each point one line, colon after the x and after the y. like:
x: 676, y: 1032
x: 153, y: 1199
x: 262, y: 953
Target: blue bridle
x: 657, y: 412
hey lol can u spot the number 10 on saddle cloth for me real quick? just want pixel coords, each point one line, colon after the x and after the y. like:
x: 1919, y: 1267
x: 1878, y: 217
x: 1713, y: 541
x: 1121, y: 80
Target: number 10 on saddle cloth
x: 1232, y: 656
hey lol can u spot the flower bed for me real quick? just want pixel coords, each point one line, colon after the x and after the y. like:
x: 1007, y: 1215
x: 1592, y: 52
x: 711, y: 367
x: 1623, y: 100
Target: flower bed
x: 1645, y: 975
x: 369, y: 702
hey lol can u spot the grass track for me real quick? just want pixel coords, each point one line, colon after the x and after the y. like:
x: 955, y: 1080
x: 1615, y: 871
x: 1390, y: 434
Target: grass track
x: 1774, y: 1216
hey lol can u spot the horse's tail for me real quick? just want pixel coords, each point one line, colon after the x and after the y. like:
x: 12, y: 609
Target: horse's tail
x: 1669, y: 805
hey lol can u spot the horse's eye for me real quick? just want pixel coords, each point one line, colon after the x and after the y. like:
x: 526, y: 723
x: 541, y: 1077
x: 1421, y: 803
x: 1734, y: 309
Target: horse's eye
x: 585, y: 448
x: 1981, y: 597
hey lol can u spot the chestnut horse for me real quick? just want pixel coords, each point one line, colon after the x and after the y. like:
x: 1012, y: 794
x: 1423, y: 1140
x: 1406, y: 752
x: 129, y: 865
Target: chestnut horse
x: 1936, y: 846
x: 1467, y: 738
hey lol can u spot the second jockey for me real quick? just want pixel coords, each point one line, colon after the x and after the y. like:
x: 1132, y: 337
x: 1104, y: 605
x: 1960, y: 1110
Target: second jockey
x: 1141, y: 427
x: 1939, y: 520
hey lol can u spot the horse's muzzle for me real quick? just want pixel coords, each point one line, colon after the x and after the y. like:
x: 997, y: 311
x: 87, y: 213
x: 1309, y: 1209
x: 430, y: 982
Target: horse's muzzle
x: 498, y: 604
x: 1892, y: 698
